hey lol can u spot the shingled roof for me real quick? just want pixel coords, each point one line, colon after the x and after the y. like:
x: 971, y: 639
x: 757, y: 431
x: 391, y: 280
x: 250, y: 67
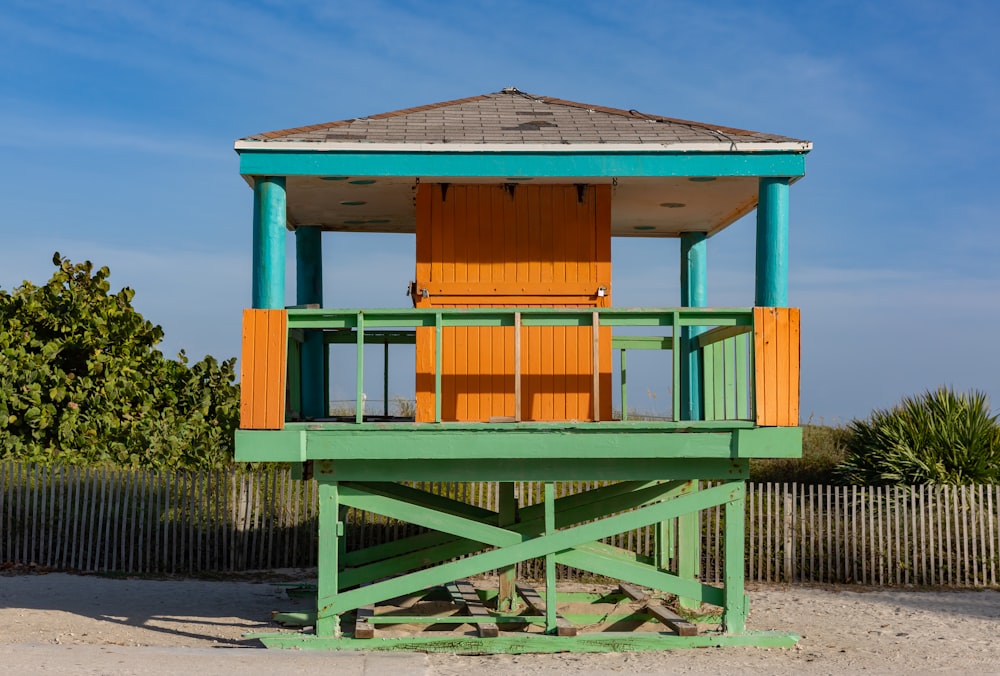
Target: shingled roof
x: 517, y: 118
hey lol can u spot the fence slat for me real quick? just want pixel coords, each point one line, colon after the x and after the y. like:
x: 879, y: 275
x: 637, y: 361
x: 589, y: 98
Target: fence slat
x: 114, y: 520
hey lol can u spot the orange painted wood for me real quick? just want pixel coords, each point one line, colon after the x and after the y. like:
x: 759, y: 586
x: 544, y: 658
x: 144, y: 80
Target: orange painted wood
x: 530, y: 246
x: 263, y: 369
x: 776, y: 366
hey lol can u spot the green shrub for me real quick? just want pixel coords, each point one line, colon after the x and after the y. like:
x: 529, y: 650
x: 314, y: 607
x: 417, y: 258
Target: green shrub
x: 81, y: 381
x: 938, y: 437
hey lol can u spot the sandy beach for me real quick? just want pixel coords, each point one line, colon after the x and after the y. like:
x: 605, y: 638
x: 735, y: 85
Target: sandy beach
x: 62, y: 623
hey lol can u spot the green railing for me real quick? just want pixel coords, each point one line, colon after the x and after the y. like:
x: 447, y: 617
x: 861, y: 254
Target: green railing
x: 715, y: 351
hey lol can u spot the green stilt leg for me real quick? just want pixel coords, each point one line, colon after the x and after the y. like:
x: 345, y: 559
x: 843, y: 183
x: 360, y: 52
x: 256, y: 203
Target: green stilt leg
x: 550, y: 560
x: 734, y: 613
x: 689, y: 548
x: 508, y: 514
x: 328, y: 623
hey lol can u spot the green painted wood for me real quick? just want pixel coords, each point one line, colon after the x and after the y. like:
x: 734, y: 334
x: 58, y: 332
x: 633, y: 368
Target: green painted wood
x: 708, y: 368
x: 506, y: 517
x: 623, y: 369
x: 612, y: 552
x: 537, y: 547
x: 689, y: 548
x: 416, y: 496
x: 372, y: 337
x: 512, y: 443
x: 676, y: 361
x: 771, y: 286
x: 399, y: 319
x: 327, y: 584
x: 735, y: 609
x: 566, y: 164
x: 601, y: 642
x: 744, y: 379
x: 359, y: 392
x: 721, y: 333
x: 456, y: 619
x: 721, y: 378
x: 427, y: 517
x: 549, y: 506
x: 396, y: 548
x: 642, y: 342
x: 432, y: 548
x: 782, y: 442
x: 438, y: 343
x: 269, y: 220
x: 647, y: 576
x: 294, y: 379
x: 601, y: 469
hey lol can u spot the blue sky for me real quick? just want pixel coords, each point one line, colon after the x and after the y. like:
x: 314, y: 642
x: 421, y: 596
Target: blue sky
x: 118, y: 119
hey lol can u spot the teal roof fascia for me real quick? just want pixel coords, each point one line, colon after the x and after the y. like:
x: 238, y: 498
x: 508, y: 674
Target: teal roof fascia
x: 521, y: 163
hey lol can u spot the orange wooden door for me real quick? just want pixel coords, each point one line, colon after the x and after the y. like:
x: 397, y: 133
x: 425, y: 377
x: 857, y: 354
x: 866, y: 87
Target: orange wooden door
x: 513, y: 246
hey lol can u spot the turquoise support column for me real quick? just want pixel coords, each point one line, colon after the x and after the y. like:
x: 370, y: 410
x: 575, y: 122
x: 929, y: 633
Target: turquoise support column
x: 309, y: 291
x: 269, y: 218
x: 772, y: 243
x: 694, y: 293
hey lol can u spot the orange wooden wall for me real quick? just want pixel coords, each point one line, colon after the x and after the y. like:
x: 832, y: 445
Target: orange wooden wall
x: 513, y: 246
x: 776, y: 365
x: 262, y: 369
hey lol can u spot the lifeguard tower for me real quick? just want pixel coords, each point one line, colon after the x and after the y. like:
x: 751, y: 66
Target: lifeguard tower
x: 513, y: 200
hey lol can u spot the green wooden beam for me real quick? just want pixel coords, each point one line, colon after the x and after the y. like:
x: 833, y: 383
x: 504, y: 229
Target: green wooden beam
x: 533, y: 548
x: 598, y: 642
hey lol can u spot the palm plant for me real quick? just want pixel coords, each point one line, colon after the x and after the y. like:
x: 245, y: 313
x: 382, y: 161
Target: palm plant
x: 940, y: 437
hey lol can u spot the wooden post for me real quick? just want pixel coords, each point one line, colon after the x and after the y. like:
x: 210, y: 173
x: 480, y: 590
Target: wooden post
x: 507, y: 516
x: 734, y: 613
x: 328, y: 563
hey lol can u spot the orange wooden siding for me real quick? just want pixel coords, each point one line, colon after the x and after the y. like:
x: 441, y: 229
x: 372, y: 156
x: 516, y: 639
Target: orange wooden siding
x: 776, y: 366
x: 524, y: 246
x: 262, y: 369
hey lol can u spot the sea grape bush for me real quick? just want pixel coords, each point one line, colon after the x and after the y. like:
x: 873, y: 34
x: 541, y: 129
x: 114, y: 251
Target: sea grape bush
x: 81, y: 381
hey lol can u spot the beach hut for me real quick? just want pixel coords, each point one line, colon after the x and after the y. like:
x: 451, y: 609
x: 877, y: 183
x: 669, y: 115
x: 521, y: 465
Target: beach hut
x: 520, y: 364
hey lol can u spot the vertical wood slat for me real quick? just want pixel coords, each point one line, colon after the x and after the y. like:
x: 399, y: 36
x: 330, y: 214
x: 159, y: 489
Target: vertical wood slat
x: 263, y: 370
x: 776, y: 366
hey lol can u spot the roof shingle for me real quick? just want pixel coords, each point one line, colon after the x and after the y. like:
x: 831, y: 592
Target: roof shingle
x: 514, y: 117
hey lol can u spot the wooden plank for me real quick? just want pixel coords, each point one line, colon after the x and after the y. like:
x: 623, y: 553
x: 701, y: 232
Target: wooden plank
x: 794, y: 365
x: 663, y: 614
x: 246, y: 370
x: 262, y: 369
x: 362, y: 629
x: 776, y: 360
x: 464, y: 594
x: 563, y: 626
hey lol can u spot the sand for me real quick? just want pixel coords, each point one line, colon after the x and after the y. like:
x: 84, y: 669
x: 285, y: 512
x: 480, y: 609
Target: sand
x: 61, y: 623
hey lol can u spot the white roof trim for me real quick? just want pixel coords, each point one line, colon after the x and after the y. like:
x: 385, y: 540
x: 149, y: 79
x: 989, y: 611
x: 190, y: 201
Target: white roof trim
x: 720, y: 147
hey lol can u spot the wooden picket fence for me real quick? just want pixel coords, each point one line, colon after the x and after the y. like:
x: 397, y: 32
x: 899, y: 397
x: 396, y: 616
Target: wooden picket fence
x: 169, y: 522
